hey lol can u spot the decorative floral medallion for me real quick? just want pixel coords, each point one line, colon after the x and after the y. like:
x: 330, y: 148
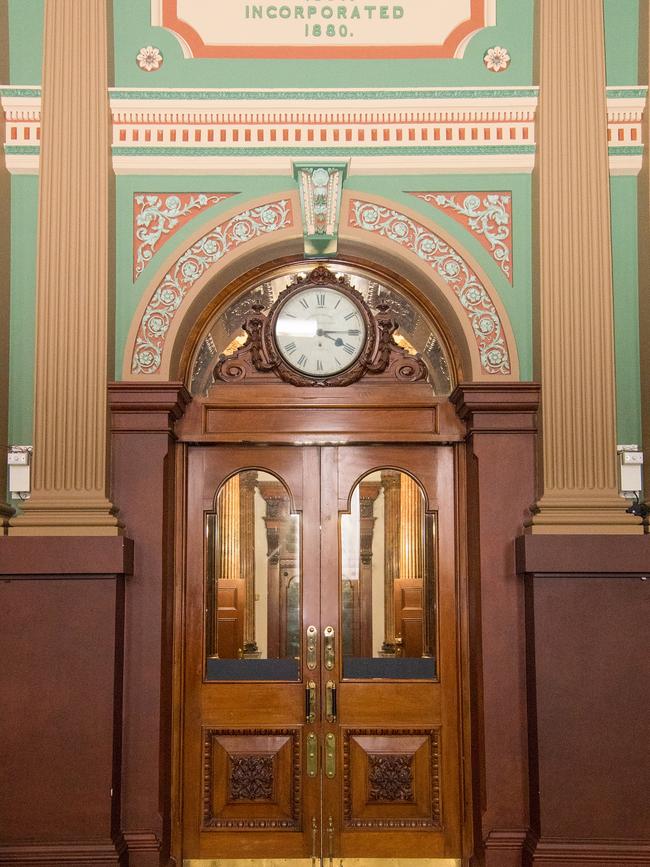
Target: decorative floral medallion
x: 390, y: 778
x: 195, y: 261
x: 251, y: 778
x: 486, y: 215
x: 149, y: 58
x: 451, y: 268
x: 158, y: 216
x: 497, y: 59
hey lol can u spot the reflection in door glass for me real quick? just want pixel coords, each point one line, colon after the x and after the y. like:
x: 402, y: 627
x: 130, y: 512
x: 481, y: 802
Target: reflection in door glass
x: 388, y: 579
x: 253, y: 581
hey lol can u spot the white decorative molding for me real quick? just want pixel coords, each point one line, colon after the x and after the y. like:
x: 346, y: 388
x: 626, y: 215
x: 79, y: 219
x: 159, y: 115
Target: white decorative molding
x: 320, y: 200
x: 625, y: 107
x: 468, y: 130
x: 497, y: 59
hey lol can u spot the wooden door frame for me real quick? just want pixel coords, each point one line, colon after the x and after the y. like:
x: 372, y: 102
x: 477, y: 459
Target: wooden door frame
x: 497, y: 424
x: 449, y: 435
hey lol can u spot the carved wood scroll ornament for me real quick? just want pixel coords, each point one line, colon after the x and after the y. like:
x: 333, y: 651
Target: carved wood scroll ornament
x: 259, y: 358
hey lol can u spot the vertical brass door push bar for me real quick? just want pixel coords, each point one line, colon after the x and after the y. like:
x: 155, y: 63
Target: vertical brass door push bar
x: 312, y: 647
x: 310, y: 702
x: 330, y: 652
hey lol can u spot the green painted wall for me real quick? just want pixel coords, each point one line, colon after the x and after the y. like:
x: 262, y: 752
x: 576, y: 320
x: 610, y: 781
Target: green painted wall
x: 133, y: 31
x: 514, y: 31
x: 25, y: 41
x: 625, y: 256
x: 622, y: 41
x: 24, y: 199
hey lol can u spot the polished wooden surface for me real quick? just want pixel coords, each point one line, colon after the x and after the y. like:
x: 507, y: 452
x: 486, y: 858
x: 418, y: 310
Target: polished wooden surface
x: 395, y: 782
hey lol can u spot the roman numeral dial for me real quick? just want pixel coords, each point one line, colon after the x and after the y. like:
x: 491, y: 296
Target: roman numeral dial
x: 320, y: 331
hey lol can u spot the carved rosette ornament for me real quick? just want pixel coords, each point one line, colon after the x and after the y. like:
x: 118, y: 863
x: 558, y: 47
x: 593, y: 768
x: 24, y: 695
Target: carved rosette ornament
x: 330, y: 348
x: 251, y: 778
x: 390, y: 778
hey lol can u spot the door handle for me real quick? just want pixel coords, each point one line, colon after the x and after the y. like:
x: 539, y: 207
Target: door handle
x: 312, y: 647
x: 310, y: 702
x: 330, y: 701
x: 330, y: 653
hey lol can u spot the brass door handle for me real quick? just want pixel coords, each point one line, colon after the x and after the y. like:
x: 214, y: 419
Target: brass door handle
x: 310, y: 702
x: 330, y: 652
x: 330, y: 701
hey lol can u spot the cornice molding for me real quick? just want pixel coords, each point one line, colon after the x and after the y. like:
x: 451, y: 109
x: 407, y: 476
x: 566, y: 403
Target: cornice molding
x: 259, y: 131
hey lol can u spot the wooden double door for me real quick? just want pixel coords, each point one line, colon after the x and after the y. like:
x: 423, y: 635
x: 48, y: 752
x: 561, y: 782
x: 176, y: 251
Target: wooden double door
x: 321, y: 718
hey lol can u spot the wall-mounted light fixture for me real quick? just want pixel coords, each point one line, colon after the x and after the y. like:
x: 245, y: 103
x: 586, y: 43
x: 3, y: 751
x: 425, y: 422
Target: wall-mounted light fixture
x: 19, y: 459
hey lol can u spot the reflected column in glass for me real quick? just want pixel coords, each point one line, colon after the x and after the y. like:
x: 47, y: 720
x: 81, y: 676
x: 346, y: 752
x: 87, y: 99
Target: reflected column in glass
x: 253, y: 581
x: 388, y: 579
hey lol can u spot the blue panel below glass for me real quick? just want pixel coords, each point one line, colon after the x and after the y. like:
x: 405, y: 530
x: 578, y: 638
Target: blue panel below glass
x: 252, y: 669
x: 402, y: 668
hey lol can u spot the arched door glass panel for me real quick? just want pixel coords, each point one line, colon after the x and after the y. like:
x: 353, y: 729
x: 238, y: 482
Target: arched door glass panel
x: 388, y: 579
x: 253, y: 581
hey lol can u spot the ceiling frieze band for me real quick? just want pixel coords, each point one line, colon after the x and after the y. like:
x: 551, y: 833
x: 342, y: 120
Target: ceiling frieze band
x: 410, y: 130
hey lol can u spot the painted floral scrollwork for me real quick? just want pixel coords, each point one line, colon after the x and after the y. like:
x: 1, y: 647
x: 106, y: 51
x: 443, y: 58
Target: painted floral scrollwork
x: 487, y: 217
x: 451, y: 267
x: 195, y: 261
x: 158, y: 217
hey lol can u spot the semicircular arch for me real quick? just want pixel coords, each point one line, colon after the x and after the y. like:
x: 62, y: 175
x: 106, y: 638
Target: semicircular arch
x: 372, y: 229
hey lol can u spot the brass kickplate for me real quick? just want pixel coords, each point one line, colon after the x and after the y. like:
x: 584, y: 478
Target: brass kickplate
x: 307, y: 862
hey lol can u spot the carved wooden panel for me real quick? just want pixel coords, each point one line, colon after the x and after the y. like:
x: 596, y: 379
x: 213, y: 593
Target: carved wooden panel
x: 391, y: 778
x: 251, y: 779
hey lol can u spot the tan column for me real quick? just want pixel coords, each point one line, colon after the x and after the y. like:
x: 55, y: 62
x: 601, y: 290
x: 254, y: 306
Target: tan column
x: 579, y: 491
x: 69, y: 486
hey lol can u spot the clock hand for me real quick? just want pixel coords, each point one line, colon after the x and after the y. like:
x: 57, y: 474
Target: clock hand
x: 322, y: 333
x: 337, y: 340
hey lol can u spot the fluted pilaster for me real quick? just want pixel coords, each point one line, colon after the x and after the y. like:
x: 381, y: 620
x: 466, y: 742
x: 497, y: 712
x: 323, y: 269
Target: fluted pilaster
x: 579, y: 479
x: 69, y: 491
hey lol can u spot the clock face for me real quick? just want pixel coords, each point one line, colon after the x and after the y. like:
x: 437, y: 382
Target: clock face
x: 320, y: 331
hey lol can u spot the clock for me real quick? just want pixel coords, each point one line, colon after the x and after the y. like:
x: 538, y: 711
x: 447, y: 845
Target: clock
x: 320, y: 330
